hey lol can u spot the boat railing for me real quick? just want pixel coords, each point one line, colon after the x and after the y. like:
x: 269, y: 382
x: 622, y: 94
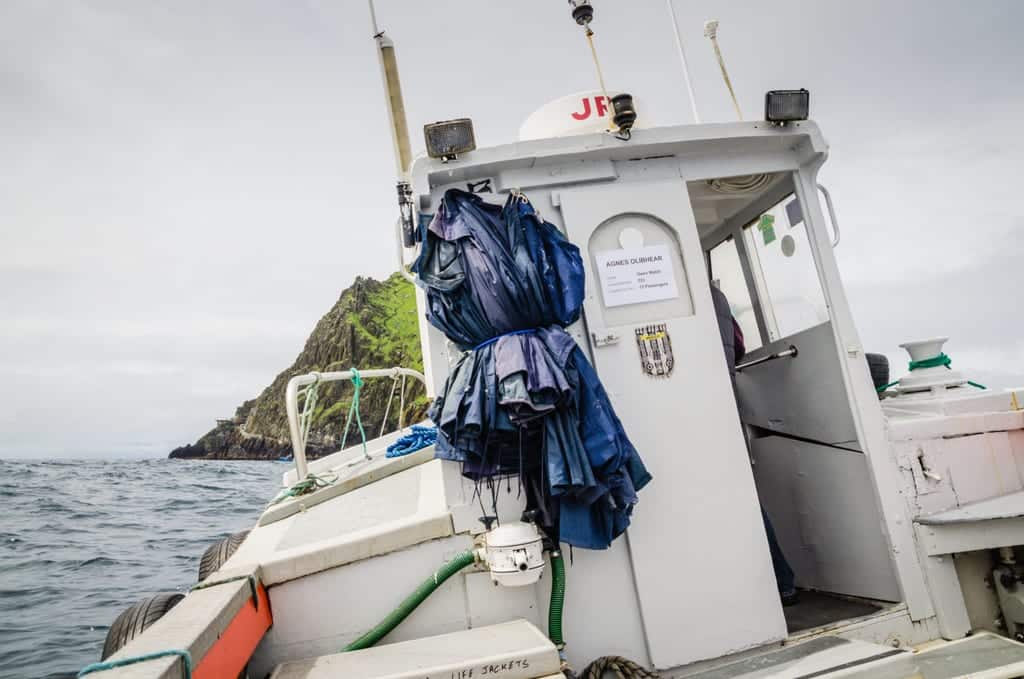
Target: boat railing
x: 301, y: 384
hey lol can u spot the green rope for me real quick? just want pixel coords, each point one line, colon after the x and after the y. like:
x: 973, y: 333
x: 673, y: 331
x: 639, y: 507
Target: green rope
x: 357, y: 385
x: 186, y: 661
x: 311, y: 483
x: 934, y: 362
x: 940, y: 361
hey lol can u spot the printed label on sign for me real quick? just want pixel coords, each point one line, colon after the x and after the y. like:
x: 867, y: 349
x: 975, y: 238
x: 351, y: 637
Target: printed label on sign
x: 636, y: 275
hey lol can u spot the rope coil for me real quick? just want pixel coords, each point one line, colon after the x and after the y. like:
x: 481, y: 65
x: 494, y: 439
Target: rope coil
x: 624, y: 668
x: 307, y: 485
x: 420, y: 437
x: 940, y: 361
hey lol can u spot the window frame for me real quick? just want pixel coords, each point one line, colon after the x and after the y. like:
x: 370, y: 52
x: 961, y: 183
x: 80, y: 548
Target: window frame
x: 734, y: 227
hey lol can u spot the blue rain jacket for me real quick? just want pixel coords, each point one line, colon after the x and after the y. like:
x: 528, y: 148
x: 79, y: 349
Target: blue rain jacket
x: 523, y: 399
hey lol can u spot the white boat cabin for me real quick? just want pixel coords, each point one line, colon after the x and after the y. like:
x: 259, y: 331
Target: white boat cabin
x: 890, y: 511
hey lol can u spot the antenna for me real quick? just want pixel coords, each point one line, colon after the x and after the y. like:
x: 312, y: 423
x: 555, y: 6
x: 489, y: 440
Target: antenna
x: 393, y: 88
x: 682, y: 60
x: 399, y: 132
x: 622, y: 104
x: 711, y: 32
x: 373, y: 19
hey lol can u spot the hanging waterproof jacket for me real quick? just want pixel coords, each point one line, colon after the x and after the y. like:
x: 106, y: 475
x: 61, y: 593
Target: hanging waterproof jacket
x: 523, y: 400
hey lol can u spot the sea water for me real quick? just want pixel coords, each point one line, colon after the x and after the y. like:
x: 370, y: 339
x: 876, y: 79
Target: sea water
x: 82, y: 540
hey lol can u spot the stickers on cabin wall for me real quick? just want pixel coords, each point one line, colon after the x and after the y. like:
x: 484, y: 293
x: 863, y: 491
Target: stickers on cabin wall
x: 767, y: 227
x: 655, y: 348
x: 636, y: 275
x: 794, y: 212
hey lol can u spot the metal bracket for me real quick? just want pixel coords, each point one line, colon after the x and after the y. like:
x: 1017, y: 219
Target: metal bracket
x: 604, y: 338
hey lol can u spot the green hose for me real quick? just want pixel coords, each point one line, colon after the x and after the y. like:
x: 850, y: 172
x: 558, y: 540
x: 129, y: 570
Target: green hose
x: 392, y: 620
x: 557, y: 599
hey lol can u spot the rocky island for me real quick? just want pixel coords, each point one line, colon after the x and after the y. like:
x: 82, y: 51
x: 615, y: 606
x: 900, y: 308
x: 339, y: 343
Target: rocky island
x: 372, y: 325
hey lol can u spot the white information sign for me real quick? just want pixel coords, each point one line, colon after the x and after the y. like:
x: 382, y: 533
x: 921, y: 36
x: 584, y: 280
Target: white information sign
x: 636, y: 275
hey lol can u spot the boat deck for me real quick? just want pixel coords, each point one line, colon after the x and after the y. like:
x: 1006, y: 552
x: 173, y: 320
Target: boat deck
x: 818, y: 609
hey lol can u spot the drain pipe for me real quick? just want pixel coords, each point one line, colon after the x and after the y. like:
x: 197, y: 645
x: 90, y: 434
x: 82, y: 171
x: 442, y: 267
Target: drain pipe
x: 557, y: 600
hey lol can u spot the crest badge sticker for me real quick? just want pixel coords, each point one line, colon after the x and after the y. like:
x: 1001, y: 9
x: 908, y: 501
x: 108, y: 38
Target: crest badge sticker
x: 655, y: 348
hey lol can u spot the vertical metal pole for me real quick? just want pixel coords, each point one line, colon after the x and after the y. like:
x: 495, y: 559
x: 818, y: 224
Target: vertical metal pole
x: 393, y: 92
x: 399, y: 136
x: 291, y: 406
x: 373, y: 19
x: 682, y: 60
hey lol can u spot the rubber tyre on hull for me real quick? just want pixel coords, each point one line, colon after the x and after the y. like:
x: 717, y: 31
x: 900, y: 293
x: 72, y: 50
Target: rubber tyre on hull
x: 879, y: 366
x: 136, y: 618
x: 214, y: 557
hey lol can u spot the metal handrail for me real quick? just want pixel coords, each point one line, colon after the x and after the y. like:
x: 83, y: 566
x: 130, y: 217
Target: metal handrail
x: 791, y: 352
x: 291, y: 403
x: 831, y: 214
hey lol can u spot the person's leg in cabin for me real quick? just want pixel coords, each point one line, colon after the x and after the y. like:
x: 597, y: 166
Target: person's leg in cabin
x: 732, y: 343
x: 784, y: 578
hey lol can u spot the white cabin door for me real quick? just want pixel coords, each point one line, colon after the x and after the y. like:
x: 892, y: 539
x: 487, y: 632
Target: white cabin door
x: 814, y: 482
x: 697, y: 541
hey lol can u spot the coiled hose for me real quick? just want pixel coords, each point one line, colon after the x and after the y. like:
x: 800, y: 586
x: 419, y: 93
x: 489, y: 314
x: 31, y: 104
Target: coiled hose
x: 395, y: 617
x: 557, y: 600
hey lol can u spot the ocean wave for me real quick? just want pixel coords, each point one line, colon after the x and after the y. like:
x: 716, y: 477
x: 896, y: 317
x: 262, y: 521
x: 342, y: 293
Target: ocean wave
x: 80, y: 544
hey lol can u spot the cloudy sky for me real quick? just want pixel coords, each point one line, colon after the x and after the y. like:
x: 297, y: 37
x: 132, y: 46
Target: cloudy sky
x: 186, y: 186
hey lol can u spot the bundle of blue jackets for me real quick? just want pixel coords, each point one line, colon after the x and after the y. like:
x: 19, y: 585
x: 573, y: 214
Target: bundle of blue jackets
x: 523, y: 400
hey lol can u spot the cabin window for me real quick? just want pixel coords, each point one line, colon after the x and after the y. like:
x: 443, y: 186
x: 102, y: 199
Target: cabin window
x: 727, y: 274
x: 783, y: 270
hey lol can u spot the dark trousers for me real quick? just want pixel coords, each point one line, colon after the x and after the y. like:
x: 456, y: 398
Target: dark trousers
x: 783, y: 573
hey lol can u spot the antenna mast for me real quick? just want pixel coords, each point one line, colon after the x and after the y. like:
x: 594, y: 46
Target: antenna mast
x: 399, y: 130
x: 393, y: 88
x: 711, y: 32
x: 682, y: 60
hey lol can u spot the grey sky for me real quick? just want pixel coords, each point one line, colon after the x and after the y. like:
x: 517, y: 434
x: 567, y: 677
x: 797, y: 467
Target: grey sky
x: 187, y: 186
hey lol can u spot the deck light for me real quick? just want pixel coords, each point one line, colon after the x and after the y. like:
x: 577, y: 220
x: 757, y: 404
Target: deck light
x: 785, y: 106
x: 448, y: 138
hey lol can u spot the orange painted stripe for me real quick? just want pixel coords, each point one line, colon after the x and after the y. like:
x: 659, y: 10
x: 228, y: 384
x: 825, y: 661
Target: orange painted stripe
x: 231, y: 652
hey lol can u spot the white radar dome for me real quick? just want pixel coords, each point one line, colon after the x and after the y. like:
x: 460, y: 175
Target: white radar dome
x: 580, y: 113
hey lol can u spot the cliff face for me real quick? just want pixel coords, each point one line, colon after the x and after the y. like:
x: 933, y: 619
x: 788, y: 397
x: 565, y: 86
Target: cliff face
x: 372, y: 325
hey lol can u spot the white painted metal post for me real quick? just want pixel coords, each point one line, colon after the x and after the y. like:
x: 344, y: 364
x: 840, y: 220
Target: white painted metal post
x: 867, y: 414
x: 682, y: 60
x: 291, y: 404
x: 291, y: 407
